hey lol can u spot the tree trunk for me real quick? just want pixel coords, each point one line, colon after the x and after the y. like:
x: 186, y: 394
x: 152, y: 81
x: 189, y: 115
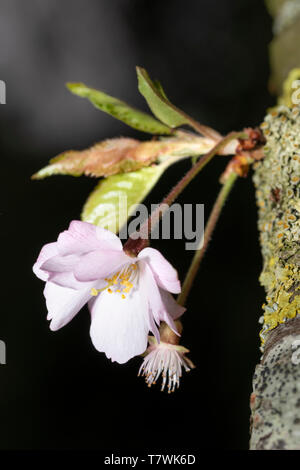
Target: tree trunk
x: 275, y: 401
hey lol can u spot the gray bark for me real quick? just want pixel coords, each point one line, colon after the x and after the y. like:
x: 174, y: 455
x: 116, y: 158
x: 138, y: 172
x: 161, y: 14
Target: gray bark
x: 275, y: 401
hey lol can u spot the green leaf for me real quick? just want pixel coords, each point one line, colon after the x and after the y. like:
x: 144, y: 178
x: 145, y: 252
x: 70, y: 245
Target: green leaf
x: 160, y: 89
x: 120, y: 110
x: 158, y: 102
x: 116, y: 197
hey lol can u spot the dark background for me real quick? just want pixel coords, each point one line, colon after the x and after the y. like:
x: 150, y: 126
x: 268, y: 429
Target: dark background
x: 56, y: 390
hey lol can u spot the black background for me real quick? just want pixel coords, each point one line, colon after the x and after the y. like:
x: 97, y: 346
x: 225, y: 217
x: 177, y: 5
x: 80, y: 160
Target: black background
x: 57, y: 391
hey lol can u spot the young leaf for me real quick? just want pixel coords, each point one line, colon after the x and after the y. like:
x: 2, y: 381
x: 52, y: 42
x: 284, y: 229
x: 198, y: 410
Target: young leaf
x: 123, y: 155
x: 115, y: 197
x: 105, y: 158
x: 120, y: 110
x: 160, y: 89
x: 157, y: 101
x: 164, y: 110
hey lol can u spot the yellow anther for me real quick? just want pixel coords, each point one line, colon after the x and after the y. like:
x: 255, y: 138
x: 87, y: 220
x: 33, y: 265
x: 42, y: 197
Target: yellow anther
x: 94, y: 292
x: 120, y: 281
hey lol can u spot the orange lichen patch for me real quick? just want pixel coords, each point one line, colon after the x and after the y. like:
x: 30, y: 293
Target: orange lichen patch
x: 256, y: 420
x: 252, y: 399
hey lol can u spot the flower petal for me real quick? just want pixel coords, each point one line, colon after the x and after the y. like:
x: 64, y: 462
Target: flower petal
x: 150, y: 290
x: 82, y: 237
x: 120, y: 326
x: 63, y: 303
x: 171, y: 306
x: 67, y: 279
x: 46, y: 252
x: 162, y: 305
x: 164, y: 273
x: 60, y: 264
x: 100, y: 264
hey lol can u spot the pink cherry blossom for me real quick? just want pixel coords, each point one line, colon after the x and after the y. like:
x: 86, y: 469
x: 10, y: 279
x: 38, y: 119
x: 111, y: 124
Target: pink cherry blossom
x: 127, y: 296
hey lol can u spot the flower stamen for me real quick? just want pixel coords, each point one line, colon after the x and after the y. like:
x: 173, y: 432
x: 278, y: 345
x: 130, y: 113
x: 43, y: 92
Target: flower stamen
x: 166, y: 360
x: 121, y: 282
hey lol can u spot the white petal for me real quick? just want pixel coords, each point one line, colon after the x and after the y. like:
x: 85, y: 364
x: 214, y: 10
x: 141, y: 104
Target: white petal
x: 163, y: 306
x: 164, y: 273
x: 82, y: 237
x: 64, y: 303
x: 46, y: 253
x: 120, y: 326
x: 100, y: 264
x: 171, y: 306
x: 150, y: 290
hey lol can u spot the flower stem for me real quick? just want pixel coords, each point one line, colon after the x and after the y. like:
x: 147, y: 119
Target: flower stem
x: 210, y: 226
x: 138, y: 241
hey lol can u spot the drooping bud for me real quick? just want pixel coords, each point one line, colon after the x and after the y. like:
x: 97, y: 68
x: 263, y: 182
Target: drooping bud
x: 165, y: 359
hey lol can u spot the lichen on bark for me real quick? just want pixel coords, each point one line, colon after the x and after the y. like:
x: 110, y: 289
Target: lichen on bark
x: 275, y: 401
x: 276, y: 179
